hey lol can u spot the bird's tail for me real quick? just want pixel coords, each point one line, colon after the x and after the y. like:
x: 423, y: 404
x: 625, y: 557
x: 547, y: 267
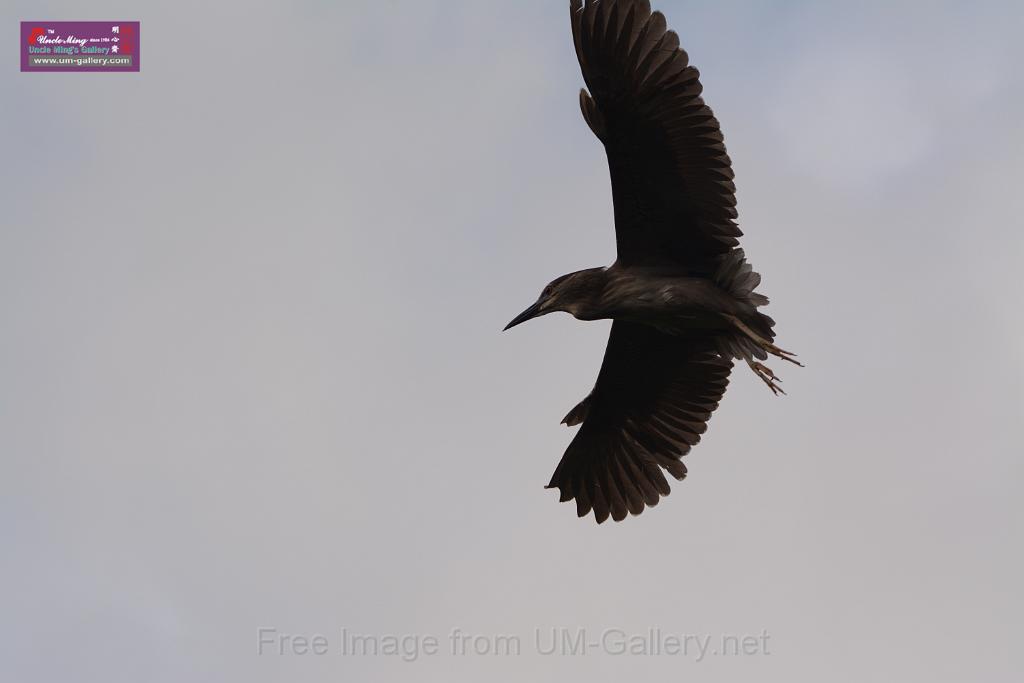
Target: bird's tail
x: 737, y: 277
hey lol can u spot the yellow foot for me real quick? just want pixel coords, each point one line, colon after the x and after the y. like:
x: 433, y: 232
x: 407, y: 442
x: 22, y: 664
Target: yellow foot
x: 764, y: 343
x: 767, y: 376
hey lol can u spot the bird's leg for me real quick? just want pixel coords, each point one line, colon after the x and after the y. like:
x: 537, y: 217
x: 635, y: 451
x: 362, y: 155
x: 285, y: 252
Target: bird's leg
x: 764, y: 343
x: 761, y: 370
x: 767, y: 376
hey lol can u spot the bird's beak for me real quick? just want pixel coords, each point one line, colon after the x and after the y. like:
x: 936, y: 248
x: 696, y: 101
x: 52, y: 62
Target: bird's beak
x: 531, y: 312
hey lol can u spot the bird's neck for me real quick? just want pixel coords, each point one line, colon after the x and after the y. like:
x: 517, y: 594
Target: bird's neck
x: 589, y: 300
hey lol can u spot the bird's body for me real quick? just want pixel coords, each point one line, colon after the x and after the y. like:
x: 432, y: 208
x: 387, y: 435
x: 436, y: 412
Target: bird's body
x: 681, y: 292
x: 664, y: 298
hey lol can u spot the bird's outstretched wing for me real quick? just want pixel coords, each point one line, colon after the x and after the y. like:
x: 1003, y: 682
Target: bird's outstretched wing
x: 651, y: 403
x: 671, y: 177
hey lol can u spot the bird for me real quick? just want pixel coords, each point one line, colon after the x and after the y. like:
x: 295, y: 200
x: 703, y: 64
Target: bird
x: 680, y: 294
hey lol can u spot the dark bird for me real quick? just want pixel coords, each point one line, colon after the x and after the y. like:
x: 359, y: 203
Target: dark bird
x: 681, y: 293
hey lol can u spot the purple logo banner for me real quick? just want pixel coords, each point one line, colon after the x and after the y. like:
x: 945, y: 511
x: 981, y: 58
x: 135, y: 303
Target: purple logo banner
x: 79, y: 46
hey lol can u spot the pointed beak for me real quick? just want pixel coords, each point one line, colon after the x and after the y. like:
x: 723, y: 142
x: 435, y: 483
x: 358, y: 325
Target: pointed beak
x: 531, y: 312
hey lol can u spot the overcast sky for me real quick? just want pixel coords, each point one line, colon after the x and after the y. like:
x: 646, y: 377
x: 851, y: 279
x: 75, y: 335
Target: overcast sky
x: 251, y: 373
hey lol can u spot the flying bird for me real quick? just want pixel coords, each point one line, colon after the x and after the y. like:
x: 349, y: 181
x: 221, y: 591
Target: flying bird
x: 680, y: 293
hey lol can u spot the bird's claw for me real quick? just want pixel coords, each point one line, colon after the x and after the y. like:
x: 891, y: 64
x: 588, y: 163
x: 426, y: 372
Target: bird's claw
x: 767, y: 376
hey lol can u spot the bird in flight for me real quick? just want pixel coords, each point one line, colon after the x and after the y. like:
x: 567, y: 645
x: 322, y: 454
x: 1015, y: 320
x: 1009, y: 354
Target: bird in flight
x: 680, y: 294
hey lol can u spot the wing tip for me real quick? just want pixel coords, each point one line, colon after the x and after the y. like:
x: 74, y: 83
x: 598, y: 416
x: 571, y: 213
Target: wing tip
x: 616, y: 512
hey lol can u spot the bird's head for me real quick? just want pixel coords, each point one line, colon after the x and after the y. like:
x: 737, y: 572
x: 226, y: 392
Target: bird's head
x: 573, y: 293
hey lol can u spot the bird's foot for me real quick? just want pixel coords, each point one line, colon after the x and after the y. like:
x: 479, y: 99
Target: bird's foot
x: 767, y: 376
x: 765, y: 344
x: 779, y: 353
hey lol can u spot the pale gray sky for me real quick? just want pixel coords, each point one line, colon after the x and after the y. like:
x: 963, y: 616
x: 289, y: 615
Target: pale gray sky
x: 251, y: 373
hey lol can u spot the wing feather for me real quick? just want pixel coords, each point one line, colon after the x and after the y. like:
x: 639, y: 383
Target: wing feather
x: 672, y: 179
x: 653, y: 398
